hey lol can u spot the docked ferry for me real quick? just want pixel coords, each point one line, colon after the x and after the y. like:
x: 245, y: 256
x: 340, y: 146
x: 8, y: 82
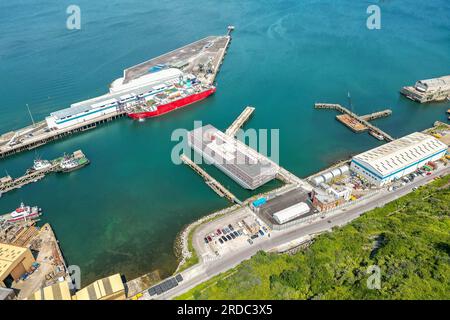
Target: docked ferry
x: 174, y: 97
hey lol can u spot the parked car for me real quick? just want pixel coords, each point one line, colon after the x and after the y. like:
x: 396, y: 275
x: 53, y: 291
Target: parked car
x: 206, y: 240
x: 232, y: 235
x: 218, y: 232
x: 224, y: 238
x: 236, y: 234
x: 228, y: 237
x: 261, y: 232
x: 240, y: 232
x: 224, y: 231
x: 254, y: 236
x: 221, y: 241
x: 250, y: 241
x: 231, y: 227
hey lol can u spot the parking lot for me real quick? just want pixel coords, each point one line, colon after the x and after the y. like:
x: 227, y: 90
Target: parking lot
x: 227, y: 235
x: 426, y: 170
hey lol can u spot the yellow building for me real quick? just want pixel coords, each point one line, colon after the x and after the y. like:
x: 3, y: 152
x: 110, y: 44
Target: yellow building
x: 110, y: 288
x: 14, y: 262
x: 58, y: 291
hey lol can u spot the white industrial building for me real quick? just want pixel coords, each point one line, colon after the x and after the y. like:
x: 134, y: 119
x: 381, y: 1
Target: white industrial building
x: 119, y: 95
x: 397, y: 158
x: 234, y: 158
x: 75, y: 115
x: 291, y: 212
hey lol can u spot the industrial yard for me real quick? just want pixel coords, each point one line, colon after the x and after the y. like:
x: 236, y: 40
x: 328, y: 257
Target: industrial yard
x: 45, y: 265
x: 269, y: 221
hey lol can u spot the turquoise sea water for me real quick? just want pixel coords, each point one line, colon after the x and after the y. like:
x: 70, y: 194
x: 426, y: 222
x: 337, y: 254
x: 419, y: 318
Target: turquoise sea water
x: 122, y: 213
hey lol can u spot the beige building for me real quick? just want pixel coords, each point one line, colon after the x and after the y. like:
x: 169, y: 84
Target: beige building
x: 14, y: 262
x: 58, y: 291
x: 110, y: 288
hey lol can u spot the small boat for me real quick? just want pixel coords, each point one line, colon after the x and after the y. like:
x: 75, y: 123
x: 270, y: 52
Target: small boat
x: 376, y: 135
x: 69, y: 164
x: 41, y: 164
x: 23, y: 212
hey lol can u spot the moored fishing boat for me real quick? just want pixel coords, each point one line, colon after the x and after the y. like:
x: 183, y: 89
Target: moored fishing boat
x: 23, y: 212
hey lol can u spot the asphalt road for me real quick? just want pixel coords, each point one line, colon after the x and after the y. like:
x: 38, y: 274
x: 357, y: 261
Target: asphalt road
x: 206, y: 270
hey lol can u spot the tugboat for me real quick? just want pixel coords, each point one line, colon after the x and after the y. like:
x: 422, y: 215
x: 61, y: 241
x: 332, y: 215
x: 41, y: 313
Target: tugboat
x: 41, y: 164
x: 23, y: 213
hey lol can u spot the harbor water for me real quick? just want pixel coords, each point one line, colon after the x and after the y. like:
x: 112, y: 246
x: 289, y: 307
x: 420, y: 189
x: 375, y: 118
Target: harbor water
x: 122, y: 212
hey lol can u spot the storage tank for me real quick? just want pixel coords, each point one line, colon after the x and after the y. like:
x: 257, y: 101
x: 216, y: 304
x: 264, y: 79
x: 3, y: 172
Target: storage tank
x: 344, y: 169
x: 324, y: 186
x: 318, y: 180
x: 327, y: 176
x: 336, y: 172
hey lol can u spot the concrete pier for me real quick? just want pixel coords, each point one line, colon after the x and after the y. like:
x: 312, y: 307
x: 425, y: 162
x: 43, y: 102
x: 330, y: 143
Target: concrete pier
x: 210, y: 181
x: 202, y: 58
x: 239, y: 122
x: 7, y: 183
x: 24, y: 141
x: 361, y: 120
x: 377, y: 115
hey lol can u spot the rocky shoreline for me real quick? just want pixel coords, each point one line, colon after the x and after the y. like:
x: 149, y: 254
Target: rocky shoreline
x: 181, y: 246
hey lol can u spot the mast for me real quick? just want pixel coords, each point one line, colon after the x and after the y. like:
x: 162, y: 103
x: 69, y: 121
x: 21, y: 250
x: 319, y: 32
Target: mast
x: 350, y: 101
x: 31, y: 116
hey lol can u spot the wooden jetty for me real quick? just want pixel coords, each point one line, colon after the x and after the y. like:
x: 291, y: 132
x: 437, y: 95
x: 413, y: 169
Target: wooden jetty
x: 239, y: 122
x: 8, y: 183
x: 359, y: 123
x: 210, y: 181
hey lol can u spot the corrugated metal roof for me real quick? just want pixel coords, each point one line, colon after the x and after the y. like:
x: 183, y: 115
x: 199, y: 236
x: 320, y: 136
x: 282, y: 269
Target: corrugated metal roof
x: 57, y: 291
x: 9, y: 255
x: 436, y: 83
x: 291, y: 212
x: 400, y: 153
x: 102, y: 288
x: 70, y: 111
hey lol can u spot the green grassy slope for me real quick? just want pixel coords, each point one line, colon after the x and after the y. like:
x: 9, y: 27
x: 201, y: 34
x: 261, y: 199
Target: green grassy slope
x: 409, y: 239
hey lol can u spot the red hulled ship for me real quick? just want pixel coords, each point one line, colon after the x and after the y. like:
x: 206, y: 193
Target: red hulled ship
x: 158, y: 105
